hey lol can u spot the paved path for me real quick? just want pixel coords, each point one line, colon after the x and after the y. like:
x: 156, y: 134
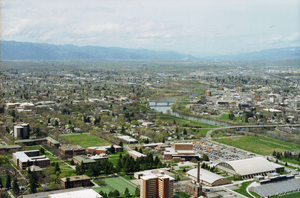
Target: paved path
x: 10, y: 194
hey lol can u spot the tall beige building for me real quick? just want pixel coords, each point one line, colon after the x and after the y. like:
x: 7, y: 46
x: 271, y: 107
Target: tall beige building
x: 157, y: 186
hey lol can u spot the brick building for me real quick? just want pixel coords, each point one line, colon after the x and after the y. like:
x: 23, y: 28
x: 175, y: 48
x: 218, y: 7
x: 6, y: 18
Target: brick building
x: 157, y: 186
x: 52, y: 142
x: 68, y: 151
x: 89, y: 159
x: 21, y: 158
x: 76, y: 181
x: 103, y: 149
x: 181, y: 152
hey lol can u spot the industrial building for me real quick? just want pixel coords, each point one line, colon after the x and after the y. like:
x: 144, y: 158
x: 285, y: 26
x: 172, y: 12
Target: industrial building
x: 21, y: 158
x: 208, y: 178
x: 248, y: 168
x: 157, y: 186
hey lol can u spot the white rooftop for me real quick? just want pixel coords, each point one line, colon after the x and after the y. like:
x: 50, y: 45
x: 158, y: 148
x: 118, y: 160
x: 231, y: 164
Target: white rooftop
x: 138, y: 154
x: 77, y: 194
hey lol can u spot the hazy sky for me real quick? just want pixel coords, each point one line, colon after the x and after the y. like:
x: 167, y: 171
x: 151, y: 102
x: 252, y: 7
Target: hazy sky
x: 198, y: 27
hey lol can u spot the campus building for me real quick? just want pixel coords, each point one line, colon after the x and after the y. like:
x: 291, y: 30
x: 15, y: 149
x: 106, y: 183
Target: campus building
x: 248, y: 168
x: 103, y: 149
x: 208, y: 178
x: 21, y: 158
x: 76, y: 181
x: 78, y: 160
x: 181, y: 152
x: 136, y: 154
x: 22, y: 131
x: 52, y: 142
x: 90, y: 193
x: 68, y: 151
x: 157, y: 186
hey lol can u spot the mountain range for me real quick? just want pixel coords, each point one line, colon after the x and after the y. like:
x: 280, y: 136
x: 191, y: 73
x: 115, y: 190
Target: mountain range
x: 12, y: 50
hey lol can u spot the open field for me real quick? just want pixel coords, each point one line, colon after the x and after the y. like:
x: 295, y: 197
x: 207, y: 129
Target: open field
x: 113, y: 158
x: 203, y: 131
x: 105, y: 189
x: 119, y: 184
x: 86, y: 140
x: 236, y: 119
x: 63, y: 167
x: 260, y: 145
x: 170, y: 118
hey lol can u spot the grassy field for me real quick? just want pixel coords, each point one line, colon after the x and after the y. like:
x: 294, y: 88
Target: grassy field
x: 105, y: 189
x: 86, y: 140
x: 260, y: 145
x: 119, y: 184
x: 183, y: 121
x: 242, y: 190
x: 204, y: 131
x: 293, y: 161
x: 236, y: 119
x: 63, y: 167
x: 290, y: 195
x: 113, y: 158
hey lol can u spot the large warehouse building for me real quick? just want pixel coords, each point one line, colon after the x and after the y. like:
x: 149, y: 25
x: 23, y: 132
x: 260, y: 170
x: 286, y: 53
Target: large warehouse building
x: 248, y: 168
x: 208, y: 178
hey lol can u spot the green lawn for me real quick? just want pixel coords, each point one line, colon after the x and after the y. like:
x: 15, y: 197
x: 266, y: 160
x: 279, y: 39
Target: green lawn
x: 290, y: 195
x: 183, y: 121
x: 204, y: 131
x: 127, y: 177
x: 293, y: 161
x: 260, y: 145
x: 113, y: 158
x: 119, y: 184
x: 183, y: 195
x: 242, y: 190
x: 86, y: 140
x: 236, y: 119
x: 105, y: 189
x: 255, y: 194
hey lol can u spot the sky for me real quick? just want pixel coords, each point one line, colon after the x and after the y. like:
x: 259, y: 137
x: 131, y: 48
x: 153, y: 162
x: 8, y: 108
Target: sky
x: 196, y: 27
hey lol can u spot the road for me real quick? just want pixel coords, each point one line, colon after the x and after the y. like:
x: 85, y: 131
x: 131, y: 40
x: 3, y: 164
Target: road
x: 208, y: 134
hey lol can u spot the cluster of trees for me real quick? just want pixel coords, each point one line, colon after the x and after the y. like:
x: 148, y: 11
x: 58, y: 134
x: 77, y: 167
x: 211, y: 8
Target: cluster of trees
x: 116, y: 193
x: 207, y: 167
x: 205, y: 158
x: 231, y: 116
x: 125, y: 164
x: 286, y: 154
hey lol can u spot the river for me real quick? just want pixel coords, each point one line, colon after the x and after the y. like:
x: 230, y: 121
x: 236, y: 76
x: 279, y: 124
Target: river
x: 165, y: 108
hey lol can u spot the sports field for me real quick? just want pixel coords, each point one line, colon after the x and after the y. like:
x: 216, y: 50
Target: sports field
x: 86, y: 140
x: 105, y: 189
x: 260, y: 145
x: 120, y: 184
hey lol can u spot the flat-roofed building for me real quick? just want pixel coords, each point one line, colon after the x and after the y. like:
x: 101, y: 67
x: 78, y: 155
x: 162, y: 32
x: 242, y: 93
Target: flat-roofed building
x: 35, y: 169
x: 127, y: 139
x: 22, y: 157
x: 76, y: 181
x: 78, y: 160
x: 181, y: 152
x: 68, y: 151
x: 86, y: 193
x: 10, y: 148
x: 103, y: 149
x: 183, y: 146
x: 157, y: 186
x: 52, y: 142
x: 22, y: 131
x: 136, y: 154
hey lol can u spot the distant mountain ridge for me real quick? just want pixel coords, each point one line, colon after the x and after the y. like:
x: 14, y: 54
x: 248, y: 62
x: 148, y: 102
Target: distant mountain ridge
x: 268, y: 54
x: 12, y: 50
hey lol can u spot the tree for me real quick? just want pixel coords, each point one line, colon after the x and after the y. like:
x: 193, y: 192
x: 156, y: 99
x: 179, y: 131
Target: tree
x: 184, y: 131
x: 121, y: 144
x: 68, y: 183
x: 56, y: 123
x: 16, y: 186
x: 205, y: 157
x: 8, y: 181
x: 137, y: 192
x: 42, y: 151
x: 126, y: 193
x: 112, y: 149
x: 33, y: 183
x: 122, y: 130
x: 35, y: 163
x: 72, y: 162
x: 57, y: 168
x: 27, y: 163
x: 1, y: 184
